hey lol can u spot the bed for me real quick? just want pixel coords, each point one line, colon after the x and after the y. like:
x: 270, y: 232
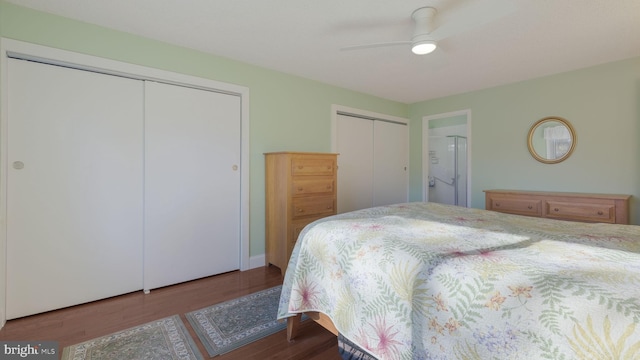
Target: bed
x: 432, y: 281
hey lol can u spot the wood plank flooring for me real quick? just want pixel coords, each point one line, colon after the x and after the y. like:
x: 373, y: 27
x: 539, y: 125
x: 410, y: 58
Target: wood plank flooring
x: 84, y: 322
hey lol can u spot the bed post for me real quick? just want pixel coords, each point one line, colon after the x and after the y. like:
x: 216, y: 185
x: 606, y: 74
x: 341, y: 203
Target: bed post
x: 293, y: 324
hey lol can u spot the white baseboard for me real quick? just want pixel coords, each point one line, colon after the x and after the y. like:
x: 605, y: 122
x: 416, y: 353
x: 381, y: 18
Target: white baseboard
x: 257, y: 261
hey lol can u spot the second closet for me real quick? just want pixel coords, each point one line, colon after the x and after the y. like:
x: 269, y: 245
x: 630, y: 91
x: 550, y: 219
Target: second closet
x: 372, y: 162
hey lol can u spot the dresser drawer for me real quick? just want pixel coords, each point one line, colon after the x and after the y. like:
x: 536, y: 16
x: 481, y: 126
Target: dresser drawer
x: 305, y: 167
x: 313, y: 206
x: 295, y: 230
x: 313, y: 186
x: 298, y: 226
x: 584, y: 207
x: 530, y: 207
x: 604, y: 213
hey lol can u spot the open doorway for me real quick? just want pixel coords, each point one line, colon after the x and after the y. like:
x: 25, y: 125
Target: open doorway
x: 446, y: 158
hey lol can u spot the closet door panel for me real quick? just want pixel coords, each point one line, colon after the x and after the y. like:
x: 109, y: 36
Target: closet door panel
x: 390, y: 151
x: 192, y: 184
x: 74, y: 187
x: 355, y: 163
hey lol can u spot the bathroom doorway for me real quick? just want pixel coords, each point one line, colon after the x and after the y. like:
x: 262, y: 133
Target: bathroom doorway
x: 446, y: 158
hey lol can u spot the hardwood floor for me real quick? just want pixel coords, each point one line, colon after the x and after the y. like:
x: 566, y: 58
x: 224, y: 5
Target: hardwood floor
x: 84, y: 322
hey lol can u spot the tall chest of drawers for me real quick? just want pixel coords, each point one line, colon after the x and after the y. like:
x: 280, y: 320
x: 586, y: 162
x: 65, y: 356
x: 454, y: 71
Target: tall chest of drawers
x: 301, y: 187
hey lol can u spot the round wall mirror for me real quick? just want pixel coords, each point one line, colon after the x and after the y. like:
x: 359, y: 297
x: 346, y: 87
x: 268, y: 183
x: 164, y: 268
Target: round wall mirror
x: 551, y: 140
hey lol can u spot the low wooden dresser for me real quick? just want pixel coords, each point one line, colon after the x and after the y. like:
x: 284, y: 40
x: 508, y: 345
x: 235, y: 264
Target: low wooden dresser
x: 583, y: 207
x: 300, y: 188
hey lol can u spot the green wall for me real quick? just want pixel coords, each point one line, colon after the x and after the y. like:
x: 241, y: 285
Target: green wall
x: 286, y: 112
x: 603, y: 105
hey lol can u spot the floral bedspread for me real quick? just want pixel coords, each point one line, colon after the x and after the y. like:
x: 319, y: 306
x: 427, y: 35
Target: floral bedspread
x: 432, y: 281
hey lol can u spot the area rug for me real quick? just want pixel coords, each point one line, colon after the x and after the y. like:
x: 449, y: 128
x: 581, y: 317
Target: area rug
x: 166, y: 339
x: 229, y: 325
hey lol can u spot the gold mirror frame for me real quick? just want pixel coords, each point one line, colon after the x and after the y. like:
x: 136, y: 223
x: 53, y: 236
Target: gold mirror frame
x: 537, y: 132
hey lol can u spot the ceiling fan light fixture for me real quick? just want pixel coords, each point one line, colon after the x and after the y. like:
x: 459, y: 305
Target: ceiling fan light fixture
x: 423, y: 47
x: 422, y: 42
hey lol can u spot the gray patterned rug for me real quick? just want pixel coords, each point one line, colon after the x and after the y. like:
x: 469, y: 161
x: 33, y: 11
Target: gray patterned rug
x: 227, y: 326
x: 166, y: 339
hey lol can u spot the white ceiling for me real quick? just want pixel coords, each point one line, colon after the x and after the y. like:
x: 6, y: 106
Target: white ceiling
x: 491, y: 42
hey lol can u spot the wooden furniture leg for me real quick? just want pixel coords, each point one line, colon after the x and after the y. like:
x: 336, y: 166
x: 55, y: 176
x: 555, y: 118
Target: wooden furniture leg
x: 293, y: 324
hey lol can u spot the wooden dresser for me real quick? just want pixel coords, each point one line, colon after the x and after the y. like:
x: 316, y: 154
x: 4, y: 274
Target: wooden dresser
x: 300, y: 188
x: 604, y: 208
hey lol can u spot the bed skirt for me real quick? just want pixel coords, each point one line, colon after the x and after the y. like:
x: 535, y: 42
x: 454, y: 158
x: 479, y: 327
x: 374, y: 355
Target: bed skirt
x: 351, y: 351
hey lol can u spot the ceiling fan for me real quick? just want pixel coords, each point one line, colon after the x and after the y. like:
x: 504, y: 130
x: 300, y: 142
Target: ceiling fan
x: 421, y: 42
x: 429, y: 29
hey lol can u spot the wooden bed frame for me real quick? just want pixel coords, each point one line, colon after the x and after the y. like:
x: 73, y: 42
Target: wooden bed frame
x: 293, y: 323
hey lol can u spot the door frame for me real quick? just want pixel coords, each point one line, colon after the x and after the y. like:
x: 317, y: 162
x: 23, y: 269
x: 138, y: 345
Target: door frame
x: 10, y: 48
x: 425, y: 150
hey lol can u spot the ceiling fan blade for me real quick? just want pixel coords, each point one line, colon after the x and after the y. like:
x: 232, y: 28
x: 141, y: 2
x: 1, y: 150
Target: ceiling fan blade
x: 375, y: 45
x: 469, y: 15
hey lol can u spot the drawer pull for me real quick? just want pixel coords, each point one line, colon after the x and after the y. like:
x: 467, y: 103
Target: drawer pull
x: 556, y: 209
x: 600, y: 213
x: 329, y: 207
x: 300, y: 188
x: 300, y: 210
x: 529, y: 207
x: 497, y: 204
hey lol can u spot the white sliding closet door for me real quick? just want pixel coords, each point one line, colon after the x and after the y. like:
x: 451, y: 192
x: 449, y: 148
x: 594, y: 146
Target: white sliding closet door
x: 192, y: 184
x: 74, y: 187
x: 391, y: 153
x: 355, y: 163
x: 372, y: 165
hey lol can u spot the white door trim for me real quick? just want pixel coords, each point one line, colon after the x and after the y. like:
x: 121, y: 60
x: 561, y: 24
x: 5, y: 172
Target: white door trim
x: 425, y: 150
x: 18, y: 49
